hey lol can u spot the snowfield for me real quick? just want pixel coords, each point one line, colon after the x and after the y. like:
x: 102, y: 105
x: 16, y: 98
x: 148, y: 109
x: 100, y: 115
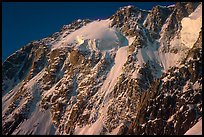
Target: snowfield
x: 97, y: 35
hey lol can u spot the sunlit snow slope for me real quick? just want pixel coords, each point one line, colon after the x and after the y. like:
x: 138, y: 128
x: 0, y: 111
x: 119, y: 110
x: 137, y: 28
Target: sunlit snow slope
x: 196, y: 129
x: 138, y: 72
x: 97, y: 35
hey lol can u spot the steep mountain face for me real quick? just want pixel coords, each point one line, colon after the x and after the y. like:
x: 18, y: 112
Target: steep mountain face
x: 137, y: 72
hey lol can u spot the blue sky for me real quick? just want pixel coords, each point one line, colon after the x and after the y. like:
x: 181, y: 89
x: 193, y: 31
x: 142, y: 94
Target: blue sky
x: 23, y: 22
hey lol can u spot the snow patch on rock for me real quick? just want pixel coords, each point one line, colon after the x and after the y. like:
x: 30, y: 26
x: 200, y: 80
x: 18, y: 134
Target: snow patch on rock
x: 191, y: 26
x: 94, y: 129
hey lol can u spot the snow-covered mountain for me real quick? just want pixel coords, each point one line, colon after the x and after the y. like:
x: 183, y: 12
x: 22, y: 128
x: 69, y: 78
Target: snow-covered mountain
x: 137, y: 72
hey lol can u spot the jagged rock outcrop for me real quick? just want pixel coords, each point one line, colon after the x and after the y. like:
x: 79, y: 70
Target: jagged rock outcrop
x: 133, y: 75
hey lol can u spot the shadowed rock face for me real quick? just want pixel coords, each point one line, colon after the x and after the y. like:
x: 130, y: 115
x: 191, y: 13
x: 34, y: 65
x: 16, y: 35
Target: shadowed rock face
x: 167, y: 105
x: 129, y: 88
x: 16, y: 66
x: 156, y: 19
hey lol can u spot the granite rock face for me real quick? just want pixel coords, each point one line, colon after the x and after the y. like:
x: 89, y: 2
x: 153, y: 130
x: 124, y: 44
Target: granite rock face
x: 150, y: 83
